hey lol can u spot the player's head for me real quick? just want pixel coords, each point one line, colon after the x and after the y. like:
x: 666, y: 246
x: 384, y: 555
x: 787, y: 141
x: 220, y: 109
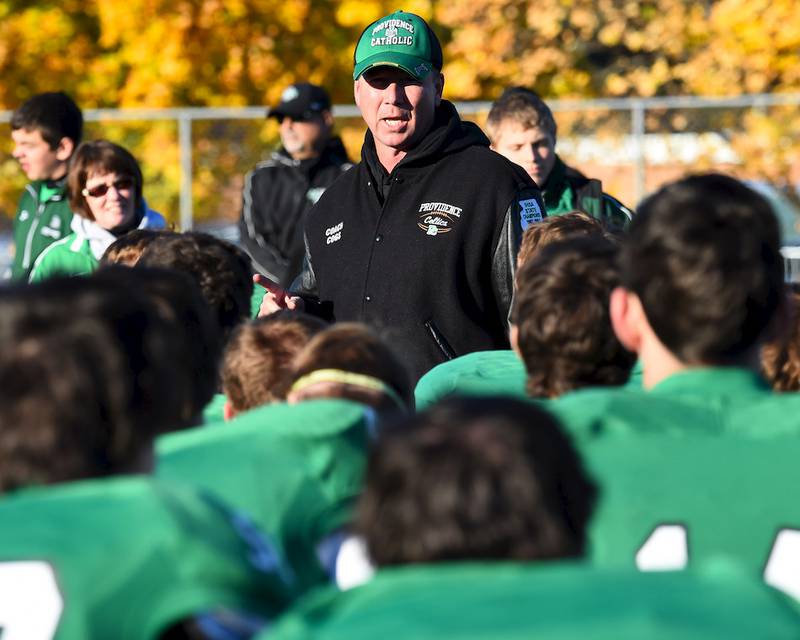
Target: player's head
x: 128, y: 248
x: 555, y: 229
x: 85, y: 369
x: 221, y: 269
x: 397, y: 66
x: 701, y: 272
x: 305, y: 118
x: 521, y: 127
x: 105, y: 184
x: 560, y: 319
x: 349, y: 360
x: 177, y: 299
x: 475, y: 479
x: 259, y: 357
x: 46, y: 129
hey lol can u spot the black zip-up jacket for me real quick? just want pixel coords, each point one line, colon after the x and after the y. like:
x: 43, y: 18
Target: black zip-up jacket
x: 278, y: 194
x: 426, y: 253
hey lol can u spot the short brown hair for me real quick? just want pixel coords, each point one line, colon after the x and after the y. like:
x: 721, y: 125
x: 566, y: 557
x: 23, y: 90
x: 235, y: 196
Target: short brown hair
x: 780, y: 358
x: 100, y: 156
x: 221, y: 269
x: 353, y: 348
x: 521, y: 105
x: 470, y: 478
x: 127, y: 249
x: 561, y: 312
x: 703, y: 256
x: 259, y: 357
x: 554, y: 229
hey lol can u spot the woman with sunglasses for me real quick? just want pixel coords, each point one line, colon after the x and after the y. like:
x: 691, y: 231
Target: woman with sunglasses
x: 104, y: 185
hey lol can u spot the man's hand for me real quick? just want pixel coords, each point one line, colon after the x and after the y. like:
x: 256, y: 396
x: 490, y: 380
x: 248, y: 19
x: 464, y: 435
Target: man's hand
x: 276, y: 297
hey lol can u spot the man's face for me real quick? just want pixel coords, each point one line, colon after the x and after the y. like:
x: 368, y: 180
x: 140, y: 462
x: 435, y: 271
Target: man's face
x: 305, y: 138
x: 534, y: 149
x: 37, y: 159
x: 398, y: 108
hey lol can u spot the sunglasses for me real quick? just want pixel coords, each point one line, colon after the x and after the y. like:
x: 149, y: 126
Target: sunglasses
x: 100, y: 190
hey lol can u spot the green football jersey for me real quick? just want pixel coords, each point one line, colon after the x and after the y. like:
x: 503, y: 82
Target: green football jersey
x: 547, y: 600
x: 296, y: 469
x: 668, y: 503
x: 126, y: 558
x: 479, y: 373
x: 703, y: 464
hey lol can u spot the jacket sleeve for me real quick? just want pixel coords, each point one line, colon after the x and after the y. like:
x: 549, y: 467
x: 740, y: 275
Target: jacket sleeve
x: 504, y: 259
x: 255, y: 230
x: 305, y: 286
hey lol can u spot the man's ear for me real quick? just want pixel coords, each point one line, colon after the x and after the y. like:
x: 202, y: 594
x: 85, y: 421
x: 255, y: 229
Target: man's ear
x: 228, y: 412
x: 356, y: 91
x: 438, y: 83
x: 625, y: 311
x: 327, y: 118
x: 64, y: 149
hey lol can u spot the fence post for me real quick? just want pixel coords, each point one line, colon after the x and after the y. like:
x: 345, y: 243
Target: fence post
x: 638, y: 131
x: 185, y: 145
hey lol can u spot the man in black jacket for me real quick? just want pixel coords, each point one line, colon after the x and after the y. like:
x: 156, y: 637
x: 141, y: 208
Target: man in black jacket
x: 279, y: 192
x: 419, y: 239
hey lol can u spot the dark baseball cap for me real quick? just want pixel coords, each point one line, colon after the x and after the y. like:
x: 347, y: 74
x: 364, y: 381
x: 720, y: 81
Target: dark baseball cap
x: 301, y: 101
x: 402, y: 40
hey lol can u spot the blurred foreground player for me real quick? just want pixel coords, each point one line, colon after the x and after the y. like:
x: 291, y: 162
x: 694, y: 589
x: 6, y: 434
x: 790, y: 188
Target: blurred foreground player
x: 471, y: 511
x: 90, y: 546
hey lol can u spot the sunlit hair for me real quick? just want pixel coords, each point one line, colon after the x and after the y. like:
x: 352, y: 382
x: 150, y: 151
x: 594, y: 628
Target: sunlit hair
x: 554, y: 229
x: 523, y: 106
x: 127, y: 249
x: 259, y: 356
x: 780, y: 358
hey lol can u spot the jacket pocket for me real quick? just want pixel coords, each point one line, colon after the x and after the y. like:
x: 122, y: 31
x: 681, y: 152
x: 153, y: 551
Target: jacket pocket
x: 440, y: 340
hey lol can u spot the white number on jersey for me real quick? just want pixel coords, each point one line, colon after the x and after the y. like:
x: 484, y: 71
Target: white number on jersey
x: 667, y: 549
x: 30, y: 602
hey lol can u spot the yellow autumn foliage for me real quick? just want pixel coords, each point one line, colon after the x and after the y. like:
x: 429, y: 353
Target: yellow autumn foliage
x: 176, y: 53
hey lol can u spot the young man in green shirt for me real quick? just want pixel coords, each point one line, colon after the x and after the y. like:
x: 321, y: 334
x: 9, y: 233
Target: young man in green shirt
x: 702, y: 288
x: 46, y: 130
x: 521, y: 127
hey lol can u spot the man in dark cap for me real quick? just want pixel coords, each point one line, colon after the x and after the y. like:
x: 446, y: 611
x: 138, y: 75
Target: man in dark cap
x: 280, y: 190
x: 420, y: 238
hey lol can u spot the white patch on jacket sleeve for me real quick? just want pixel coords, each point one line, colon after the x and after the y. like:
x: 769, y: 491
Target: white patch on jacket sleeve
x: 529, y: 212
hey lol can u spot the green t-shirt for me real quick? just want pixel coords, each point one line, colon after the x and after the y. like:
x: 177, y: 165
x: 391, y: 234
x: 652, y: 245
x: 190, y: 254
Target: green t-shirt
x: 556, y: 601
x: 127, y: 557
x: 479, y: 373
x: 702, y: 464
x: 296, y: 469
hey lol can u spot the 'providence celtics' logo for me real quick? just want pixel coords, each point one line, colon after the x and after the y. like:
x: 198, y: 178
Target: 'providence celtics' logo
x: 437, y: 217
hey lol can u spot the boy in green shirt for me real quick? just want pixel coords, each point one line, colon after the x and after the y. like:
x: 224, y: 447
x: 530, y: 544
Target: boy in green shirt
x: 46, y: 130
x: 521, y: 127
x: 702, y: 287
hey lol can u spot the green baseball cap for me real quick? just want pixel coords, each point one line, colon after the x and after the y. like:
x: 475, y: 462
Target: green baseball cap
x: 402, y: 40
